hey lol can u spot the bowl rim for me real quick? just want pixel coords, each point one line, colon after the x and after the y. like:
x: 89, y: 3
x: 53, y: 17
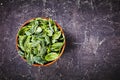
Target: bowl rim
x: 63, y: 47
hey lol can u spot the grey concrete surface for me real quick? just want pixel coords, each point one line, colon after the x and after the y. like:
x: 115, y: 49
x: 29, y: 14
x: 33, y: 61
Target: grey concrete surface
x: 92, y: 30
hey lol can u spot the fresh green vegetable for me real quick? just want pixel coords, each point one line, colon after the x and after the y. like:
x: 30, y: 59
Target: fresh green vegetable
x: 38, y: 29
x: 56, y: 35
x: 22, y: 41
x: 21, y: 53
x: 56, y: 46
x: 40, y: 41
x: 51, y: 56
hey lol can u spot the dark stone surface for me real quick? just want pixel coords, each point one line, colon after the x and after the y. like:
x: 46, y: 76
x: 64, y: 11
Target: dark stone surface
x: 92, y: 29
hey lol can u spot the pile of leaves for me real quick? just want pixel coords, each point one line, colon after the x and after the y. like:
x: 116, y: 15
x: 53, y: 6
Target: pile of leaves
x: 40, y: 41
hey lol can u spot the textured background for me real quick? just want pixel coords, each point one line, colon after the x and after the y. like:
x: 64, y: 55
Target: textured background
x: 92, y: 29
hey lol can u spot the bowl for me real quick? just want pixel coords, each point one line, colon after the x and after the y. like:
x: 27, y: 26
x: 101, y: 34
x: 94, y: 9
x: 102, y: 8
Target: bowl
x: 62, y: 49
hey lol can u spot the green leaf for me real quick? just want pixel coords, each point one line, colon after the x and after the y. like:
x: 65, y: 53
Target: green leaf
x: 57, y: 46
x: 28, y: 33
x: 33, y: 38
x: 48, y: 50
x: 28, y: 45
x: 50, y: 26
x: 39, y: 29
x: 43, y: 26
x: 22, y: 41
x: 38, y: 19
x: 36, y: 38
x: 35, y: 51
x: 35, y: 43
x: 42, y: 43
x: 47, y: 39
x: 30, y: 58
x: 22, y: 30
x: 54, y: 40
x: 56, y: 49
x: 43, y: 34
x: 55, y: 28
x: 21, y: 53
x: 49, y: 33
x: 51, y: 56
x: 44, y: 23
x: 62, y: 38
x: 42, y: 52
x: 56, y: 35
x: 27, y: 41
x: 39, y: 47
x: 34, y: 25
x: 38, y: 60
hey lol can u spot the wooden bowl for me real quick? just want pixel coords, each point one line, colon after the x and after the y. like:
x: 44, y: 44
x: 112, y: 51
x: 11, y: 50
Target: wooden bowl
x: 62, y: 50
